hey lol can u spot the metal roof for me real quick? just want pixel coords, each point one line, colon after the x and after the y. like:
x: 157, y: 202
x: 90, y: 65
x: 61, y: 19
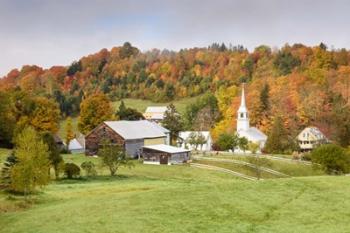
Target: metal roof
x: 167, y: 149
x: 156, y: 109
x: 137, y: 129
x: 252, y: 134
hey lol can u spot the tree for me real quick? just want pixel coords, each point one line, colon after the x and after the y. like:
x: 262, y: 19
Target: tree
x: 69, y: 131
x: 54, y: 152
x: 89, y: 168
x: 227, y: 141
x: 127, y: 50
x: 196, y: 139
x: 93, y: 111
x: 173, y: 122
x: 242, y: 143
x: 45, y: 116
x: 285, y: 62
x: 128, y: 114
x: 201, y: 140
x: 332, y: 158
x: 277, y: 140
x: 265, y: 98
x: 113, y: 156
x: 71, y: 170
x: 73, y: 68
x: 31, y: 169
x: 253, y: 147
x: 7, y: 120
x: 5, y: 176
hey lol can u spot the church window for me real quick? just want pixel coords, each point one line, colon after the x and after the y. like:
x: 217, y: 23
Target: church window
x: 242, y: 115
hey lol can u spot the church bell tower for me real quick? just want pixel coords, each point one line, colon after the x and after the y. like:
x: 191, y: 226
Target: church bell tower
x: 242, y: 114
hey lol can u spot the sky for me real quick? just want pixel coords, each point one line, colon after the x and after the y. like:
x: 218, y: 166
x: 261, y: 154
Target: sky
x: 57, y: 32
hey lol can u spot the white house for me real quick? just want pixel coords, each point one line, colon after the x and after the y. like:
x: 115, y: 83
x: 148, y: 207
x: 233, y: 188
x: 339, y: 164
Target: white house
x: 155, y: 113
x: 185, y: 136
x: 77, y: 145
x: 243, y: 127
x: 310, y: 138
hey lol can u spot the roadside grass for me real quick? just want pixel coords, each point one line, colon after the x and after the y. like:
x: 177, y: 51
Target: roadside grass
x: 151, y: 198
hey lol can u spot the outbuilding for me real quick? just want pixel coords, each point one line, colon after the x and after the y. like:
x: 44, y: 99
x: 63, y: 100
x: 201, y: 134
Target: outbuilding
x: 164, y: 154
x: 130, y: 135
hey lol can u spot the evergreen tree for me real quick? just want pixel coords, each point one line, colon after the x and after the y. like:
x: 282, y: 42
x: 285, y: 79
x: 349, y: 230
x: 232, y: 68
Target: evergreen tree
x: 5, y: 178
x: 277, y: 141
x: 128, y: 114
x: 265, y: 98
x: 173, y: 122
x: 54, y: 152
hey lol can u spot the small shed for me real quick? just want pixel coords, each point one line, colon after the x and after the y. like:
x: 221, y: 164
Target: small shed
x: 164, y: 154
x: 155, y: 113
x: 76, y: 147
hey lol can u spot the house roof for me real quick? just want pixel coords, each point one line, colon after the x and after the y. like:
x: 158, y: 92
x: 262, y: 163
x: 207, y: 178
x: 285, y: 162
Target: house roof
x: 253, y: 134
x: 166, y: 148
x: 137, y: 129
x: 74, y: 144
x: 312, y: 133
x: 186, y: 134
x: 156, y: 109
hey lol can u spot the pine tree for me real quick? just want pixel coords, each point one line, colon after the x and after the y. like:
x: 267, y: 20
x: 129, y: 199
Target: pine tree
x: 277, y: 141
x: 5, y: 179
x: 173, y: 122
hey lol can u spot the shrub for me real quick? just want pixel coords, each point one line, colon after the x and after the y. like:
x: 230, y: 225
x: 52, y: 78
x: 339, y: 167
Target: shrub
x: 89, y: 168
x: 332, y: 158
x: 71, y: 170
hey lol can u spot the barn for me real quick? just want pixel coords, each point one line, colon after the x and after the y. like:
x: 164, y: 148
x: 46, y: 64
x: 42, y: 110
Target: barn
x: 131, y: 135
x: 164, y: 154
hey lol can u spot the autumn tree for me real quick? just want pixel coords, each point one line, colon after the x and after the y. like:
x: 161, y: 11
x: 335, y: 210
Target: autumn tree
x: 94, y: 110
x: 242, y: 143
x: 31, y: 170
x: 173, y: 122
x: 46, y: 115
x: 227, y: 141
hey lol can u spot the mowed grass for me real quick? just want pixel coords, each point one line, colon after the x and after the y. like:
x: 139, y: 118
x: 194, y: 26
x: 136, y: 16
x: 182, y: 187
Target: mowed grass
x: 150, y: 198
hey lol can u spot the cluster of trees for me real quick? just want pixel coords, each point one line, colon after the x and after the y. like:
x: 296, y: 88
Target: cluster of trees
x: 296, y: 84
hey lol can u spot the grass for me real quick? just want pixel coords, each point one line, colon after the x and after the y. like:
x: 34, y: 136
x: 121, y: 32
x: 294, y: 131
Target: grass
x: 150, y: 198
x: 138, y: 104
x: 288, y: 168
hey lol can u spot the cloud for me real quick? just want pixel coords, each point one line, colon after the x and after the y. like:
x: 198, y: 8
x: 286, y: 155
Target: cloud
x: 48, y: 32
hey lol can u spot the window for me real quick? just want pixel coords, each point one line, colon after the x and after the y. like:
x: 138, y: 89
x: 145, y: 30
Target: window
x: 242, y: 115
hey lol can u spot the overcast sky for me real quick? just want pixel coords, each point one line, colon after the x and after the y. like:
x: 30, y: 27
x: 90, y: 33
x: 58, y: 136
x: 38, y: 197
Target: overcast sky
x: 56, y: 32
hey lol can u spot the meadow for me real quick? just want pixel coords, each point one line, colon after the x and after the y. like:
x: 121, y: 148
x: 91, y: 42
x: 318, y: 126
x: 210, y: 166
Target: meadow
x: 151, y: 198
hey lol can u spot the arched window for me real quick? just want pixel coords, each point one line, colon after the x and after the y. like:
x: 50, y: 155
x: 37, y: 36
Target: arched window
x: 242, y: 114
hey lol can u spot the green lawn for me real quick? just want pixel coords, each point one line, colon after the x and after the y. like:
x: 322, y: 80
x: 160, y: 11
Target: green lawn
x: 150, y: 198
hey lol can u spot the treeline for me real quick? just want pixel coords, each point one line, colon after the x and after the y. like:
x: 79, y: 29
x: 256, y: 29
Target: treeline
x: 300, y: 85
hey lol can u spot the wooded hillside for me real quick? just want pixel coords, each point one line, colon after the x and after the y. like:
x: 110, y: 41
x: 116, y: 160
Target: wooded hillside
x: 304, y: 85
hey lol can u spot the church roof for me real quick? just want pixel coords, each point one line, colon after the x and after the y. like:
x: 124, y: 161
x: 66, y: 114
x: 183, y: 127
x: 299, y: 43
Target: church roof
x: 253, y: 134
x: 243, y: 107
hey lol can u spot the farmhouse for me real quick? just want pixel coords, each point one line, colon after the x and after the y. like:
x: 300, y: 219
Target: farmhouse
x: 77, y: 145
x: 155, y: 113
x: 243, y: 127
x: 131, y: 135
x: 185, y: 140
x: 164, y: 154
x: 310, y: 138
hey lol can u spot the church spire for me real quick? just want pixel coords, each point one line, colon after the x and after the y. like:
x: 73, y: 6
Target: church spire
x: 242, y: 114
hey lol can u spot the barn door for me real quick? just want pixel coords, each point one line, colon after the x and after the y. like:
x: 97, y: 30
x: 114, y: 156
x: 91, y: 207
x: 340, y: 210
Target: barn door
x: 163, y: 159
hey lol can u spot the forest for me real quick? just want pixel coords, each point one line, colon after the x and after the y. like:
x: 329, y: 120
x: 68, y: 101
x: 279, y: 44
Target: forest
x: 298, y: 84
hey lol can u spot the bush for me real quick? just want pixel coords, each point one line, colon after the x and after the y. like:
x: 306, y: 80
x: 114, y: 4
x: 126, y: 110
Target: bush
x: 332, y: 158
x: 71, y: 170
x: 89, y: 168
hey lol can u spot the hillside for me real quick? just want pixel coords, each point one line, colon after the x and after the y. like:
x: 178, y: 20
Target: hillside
x: 182, y: 199
x: 303, y: 85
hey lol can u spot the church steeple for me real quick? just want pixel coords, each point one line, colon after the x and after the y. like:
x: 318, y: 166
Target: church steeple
x: 242, y: 114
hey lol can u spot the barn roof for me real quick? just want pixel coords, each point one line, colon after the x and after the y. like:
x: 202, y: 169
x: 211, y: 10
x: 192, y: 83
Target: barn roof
x: 166, y: 149
x: 137, y: 129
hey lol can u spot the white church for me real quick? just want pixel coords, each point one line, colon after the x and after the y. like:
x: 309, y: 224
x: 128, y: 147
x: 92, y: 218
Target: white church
x: 243, y: 127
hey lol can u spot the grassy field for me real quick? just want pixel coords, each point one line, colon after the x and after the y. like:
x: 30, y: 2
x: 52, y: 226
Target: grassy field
x: 138, y: 104
x: 150, y: 198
